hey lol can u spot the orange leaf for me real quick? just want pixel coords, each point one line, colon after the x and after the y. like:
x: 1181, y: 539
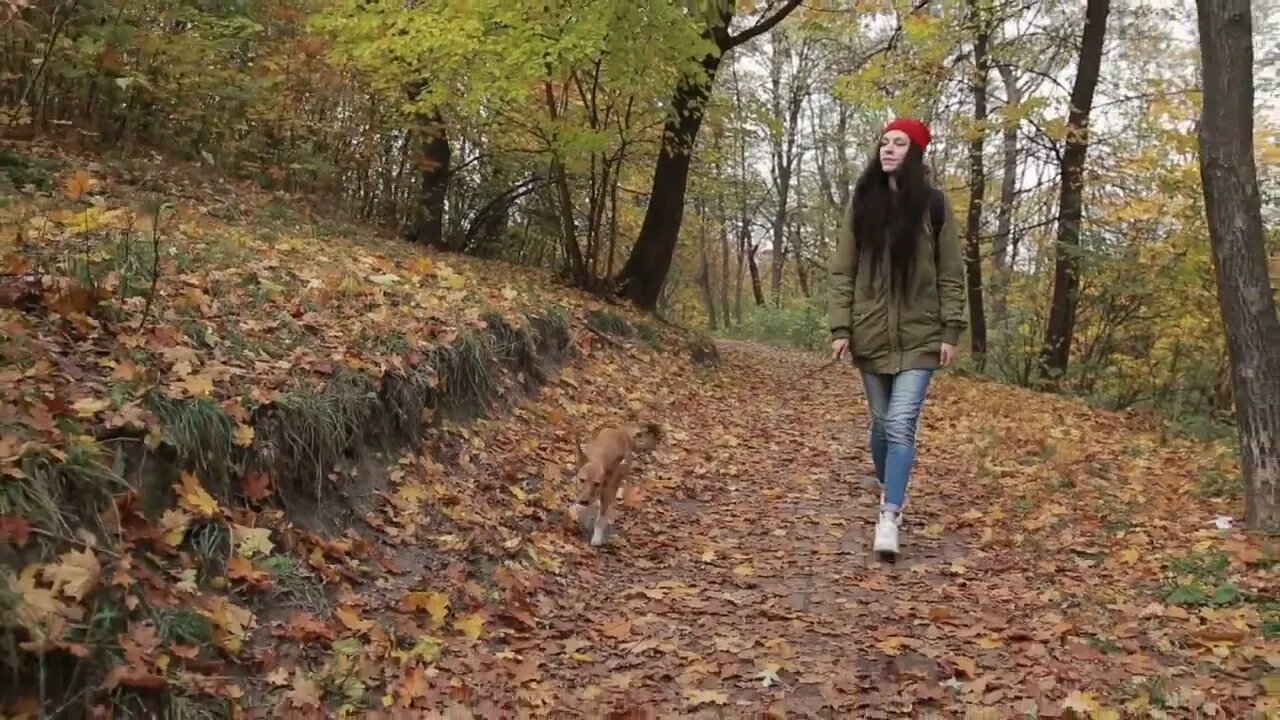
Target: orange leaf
x: 78, y: 184
x: 256, y: 486
x: 353, y: 621
x: 619, y: 629
x: 239, y: 568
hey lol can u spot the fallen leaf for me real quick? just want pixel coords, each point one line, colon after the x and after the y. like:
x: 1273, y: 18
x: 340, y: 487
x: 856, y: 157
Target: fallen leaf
x: 242, y: 436
x: 76, y: 573
x: 305, y: 692
x: 88, y: 407
x: 352, y: 621
x: 197, y: 386
x: 470, y: 625
x: 193, y: 497
x: 14, y: 530
x: 434, y: 604
x: 250, y: 542
x: 241, y: 568
x: 174, y: 523
x: 619, y: 629
x: 278, y: 677
x: 1081, y: 702
x: 256, y: 486
x: 78, y: 185
x: 697, y: 698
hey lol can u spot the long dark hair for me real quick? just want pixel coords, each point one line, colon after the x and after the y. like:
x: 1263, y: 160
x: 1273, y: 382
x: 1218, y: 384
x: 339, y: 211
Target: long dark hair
x: 885, y: 218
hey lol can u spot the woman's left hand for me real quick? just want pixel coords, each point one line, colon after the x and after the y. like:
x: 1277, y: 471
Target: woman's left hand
x: 948, y: 354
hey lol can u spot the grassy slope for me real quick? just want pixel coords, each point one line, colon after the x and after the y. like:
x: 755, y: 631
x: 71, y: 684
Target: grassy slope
x: 420, y: 576
x: 248, y: 380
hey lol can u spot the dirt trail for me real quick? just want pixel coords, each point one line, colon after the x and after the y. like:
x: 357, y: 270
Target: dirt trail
x: 760, y: 584
x: 741, y: 580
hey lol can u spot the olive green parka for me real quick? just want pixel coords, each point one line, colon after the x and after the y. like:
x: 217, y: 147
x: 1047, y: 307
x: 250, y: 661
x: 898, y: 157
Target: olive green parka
x: 889, y: 334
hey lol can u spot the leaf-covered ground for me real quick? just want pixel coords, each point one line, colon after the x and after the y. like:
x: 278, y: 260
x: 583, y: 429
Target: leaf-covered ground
x: 1057, y: 560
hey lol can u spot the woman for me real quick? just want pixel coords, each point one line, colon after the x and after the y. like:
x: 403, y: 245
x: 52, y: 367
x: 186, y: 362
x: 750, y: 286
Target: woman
x: 897, y: 303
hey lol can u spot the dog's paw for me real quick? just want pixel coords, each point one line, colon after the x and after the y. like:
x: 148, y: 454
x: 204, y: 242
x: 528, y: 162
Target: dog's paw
x: 597, y: 537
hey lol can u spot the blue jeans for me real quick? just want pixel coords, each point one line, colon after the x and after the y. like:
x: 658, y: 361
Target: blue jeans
x: 895, y: 402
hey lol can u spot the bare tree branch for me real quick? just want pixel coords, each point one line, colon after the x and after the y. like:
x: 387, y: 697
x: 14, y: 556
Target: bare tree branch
x: 765, y: 25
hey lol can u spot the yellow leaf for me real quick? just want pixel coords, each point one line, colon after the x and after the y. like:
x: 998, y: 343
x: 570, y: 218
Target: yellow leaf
x: 891, y: 645
x: 1130, y: 556
x: 353, y: 621
x: 76, y: 573
x: 242, y: 436
x: 175, y: 524
x: 251, y: 541
x: 197, y: 385
x: 88, y: 407
x: 454, y: 280
x: 192, y: 496
x: 39, y: 605
x: 422, y: 266
x: 1082, y: 703
x: 695, y: 698
x: 426, y: 649
x: 990, y: 642
x: 470, y: 625
x: 435, y: 604
x: 744, y: 570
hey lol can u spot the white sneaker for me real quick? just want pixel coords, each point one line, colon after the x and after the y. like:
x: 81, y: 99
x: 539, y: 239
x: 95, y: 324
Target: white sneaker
x: 886, y: 542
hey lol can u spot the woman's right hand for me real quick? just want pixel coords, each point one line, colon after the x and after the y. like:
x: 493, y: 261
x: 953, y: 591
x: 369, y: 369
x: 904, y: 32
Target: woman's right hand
x: 840, y: 348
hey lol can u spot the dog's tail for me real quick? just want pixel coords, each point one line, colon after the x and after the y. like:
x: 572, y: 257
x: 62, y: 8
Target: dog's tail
x: 649, y: 434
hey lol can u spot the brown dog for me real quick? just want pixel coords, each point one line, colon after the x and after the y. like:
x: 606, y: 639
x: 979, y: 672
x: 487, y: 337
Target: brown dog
x: 602, y: 465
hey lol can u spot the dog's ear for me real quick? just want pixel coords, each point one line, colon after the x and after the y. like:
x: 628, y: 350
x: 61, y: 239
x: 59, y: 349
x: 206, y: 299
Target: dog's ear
x: 582, y: 455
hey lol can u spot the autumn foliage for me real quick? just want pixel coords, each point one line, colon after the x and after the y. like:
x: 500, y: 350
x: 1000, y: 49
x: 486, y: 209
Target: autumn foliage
x: 292, y: 380
x: 160, y: 557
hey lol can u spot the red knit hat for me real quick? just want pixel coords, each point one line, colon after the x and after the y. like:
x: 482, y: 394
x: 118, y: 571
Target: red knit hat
x: 917, y: 131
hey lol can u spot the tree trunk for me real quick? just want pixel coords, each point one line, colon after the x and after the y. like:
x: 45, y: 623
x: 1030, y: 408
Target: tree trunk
x: 577, y: 262
x: 743, y: 238
x: 1008, y: 186
x: 645, y: 271
x: 977, y: 186
x: 434, y: 156
x: 1066, y: 281
x: 704, y: 268
x: 1234, y: 210
x: 724, y: 260
x: 754, y: 267
x: 802, y: 270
